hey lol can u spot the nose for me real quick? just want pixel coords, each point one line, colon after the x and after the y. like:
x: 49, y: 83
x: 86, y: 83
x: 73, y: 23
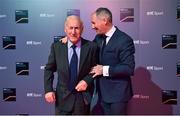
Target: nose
x: 73, y: 31
x: 92, y: 26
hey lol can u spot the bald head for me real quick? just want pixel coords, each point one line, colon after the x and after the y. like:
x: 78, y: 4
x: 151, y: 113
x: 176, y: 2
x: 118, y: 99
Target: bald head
x: 73, y: 28
x: 73, y: 18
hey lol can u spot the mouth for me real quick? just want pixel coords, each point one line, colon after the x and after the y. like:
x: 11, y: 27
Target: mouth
x: 73, y: 36
x: 96, y: 29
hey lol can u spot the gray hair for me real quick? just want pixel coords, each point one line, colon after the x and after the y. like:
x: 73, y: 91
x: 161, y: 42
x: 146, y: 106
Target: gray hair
x: 104, y: 12
x: 74, y: 17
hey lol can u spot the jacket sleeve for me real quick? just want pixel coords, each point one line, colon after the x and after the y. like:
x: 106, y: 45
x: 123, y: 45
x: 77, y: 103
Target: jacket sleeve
x: 89, y: 79
x: 49, y: 70
x: 126, y: 63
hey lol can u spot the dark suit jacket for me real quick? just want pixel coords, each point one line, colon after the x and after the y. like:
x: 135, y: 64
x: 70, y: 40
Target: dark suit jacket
x: 58, y: 61
x: 119, y: 55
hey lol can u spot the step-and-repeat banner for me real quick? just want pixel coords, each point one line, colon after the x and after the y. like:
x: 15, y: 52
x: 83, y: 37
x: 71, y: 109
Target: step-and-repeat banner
x: 28, y: 27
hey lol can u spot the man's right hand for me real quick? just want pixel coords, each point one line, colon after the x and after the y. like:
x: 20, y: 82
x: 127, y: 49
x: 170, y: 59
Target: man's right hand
x: 64, y: 40
x: 50, y: 97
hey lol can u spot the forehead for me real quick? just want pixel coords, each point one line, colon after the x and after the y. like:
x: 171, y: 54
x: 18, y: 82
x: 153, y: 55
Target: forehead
x: 73, y: 23
x: 93, y: 16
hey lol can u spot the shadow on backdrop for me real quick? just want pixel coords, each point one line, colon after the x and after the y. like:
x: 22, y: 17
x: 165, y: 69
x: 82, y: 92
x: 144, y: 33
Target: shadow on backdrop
x: 147, y: 97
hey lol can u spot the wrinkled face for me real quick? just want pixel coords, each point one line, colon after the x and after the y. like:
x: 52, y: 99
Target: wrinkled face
x: 73, y: 29
x: 98, y: 24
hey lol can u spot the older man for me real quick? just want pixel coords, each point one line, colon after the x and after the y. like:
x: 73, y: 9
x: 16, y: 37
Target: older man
x: 72, y: 61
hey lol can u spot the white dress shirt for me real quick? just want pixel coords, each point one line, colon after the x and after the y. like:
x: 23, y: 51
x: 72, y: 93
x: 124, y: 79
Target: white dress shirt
x: 109, y: 35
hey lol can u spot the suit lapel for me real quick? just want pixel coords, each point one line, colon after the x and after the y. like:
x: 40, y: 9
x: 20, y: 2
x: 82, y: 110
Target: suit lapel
x: 112, y: 39
x: 83, y: 54
x: 64, y: 57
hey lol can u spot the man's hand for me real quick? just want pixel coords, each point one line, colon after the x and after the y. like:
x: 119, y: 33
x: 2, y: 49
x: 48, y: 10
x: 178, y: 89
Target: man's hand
x: 97, y: 70
x: 81, y: 86
x: 64, y: 40
x: 50, y: 97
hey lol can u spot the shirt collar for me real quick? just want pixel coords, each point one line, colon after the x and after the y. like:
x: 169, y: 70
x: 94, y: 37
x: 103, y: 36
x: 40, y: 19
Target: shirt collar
x: 111, y: 31
x: 78, y: 44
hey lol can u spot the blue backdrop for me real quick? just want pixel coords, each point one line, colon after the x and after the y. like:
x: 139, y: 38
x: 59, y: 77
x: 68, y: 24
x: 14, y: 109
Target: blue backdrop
x: 28, y: 27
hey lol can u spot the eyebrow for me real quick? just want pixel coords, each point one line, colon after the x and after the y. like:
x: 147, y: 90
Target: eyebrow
x: 74, y: 26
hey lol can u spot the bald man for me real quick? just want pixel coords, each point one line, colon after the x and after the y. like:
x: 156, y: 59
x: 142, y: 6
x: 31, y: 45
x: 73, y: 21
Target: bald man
x: 72, y: 61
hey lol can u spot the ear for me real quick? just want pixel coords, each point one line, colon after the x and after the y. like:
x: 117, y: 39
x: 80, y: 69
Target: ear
x: 65, y: 26
x: 105, y: 20
x: 65, y: 30
x: 82, y: 29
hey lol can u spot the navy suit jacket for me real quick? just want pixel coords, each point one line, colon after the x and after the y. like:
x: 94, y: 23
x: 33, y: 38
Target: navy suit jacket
x: 119, y: 55
x: 58, y: 62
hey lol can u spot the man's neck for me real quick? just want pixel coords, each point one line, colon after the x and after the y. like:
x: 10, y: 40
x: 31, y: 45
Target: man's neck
x: 109, y: 27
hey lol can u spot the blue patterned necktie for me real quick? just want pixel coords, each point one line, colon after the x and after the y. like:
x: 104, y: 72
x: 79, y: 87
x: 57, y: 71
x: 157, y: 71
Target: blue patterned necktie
x: 73, y: 69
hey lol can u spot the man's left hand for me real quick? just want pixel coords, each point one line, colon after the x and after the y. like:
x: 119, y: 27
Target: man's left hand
x: 97, y: 70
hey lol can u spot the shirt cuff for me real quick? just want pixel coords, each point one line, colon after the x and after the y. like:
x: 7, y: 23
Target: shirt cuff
x: 105, y: 70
